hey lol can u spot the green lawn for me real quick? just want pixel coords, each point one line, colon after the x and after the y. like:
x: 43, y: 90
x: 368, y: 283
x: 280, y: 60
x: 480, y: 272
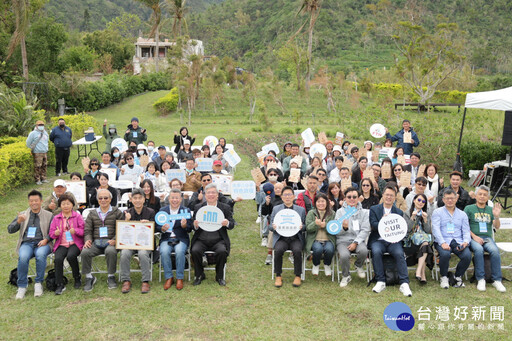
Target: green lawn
x: 249, y: 307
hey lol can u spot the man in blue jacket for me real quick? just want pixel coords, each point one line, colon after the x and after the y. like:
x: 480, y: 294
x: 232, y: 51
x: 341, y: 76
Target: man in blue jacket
x: 61, y: 138
x: 408, y: 147
x: 379, y: 246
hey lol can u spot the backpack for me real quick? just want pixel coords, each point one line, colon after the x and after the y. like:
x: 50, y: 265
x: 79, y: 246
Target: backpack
x: 390, y: 270
x: 13, y: 278
x: 51, y: 284
x: 487, y: 269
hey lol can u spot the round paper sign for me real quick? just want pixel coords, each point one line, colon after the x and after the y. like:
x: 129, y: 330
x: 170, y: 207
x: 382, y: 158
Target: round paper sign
x: 333, y: 227
x: 161, y: 218
x: 288, y: 222
x: 210, y: 218
x: 378, y: 130
x: 211, y: 141
x: 318, y: 148
x: 120, y: 144
x: 392, y: 228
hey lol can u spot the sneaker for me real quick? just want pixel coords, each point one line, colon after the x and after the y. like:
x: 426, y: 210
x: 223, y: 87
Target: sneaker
x: 205, y: 261
x: 111, y: 282
x: 78, y: 282
x: 268, y: 260
x: 315, y: 270
x: 344, y: 281
x: 499, y: 286
x: 360, y: 272
x: 38, y: 290
x: 89, y: 283
x: 379, y: 287
x: 481, y: 285
x: 60, y: 289
x: 290, y: 258
x: 327, y: 270
x: 44, y: 181
x: 39, y: 183
x: 264, y: 241
x: 20, y: 294
x: 258, y: 220
x: 58, y: 174
x: 404, y: 289
x: 445, y: 284
x: 459, y: 283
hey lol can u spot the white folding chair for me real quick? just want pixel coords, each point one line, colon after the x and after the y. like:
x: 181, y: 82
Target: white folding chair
x: 213, y: 267
x: 86, y: 212
x: 367, y: 266
x: 139, y: 269
x: 304, y: 268
x: 505, y: 247
x: 124, y: 200
x: 187, y: 268
x: 289, y: 252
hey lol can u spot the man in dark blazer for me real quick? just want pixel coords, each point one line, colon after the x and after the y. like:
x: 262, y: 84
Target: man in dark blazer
x: 379, y: 246
x: 217, y: 241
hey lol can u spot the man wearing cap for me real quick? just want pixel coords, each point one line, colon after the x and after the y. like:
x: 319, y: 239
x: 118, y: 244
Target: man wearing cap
x: 217, y: 168
x: 37, y: 141
x: 135, y: 133
x: 61, y: 138
x: 59, y: 188
x: 159, y: 158
x: 109, y: 135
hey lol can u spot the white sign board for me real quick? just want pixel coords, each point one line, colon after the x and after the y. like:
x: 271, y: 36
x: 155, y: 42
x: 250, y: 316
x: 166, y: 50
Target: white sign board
x: 210, y: 218
x: 308, y: 136
x: 318, y: 148
x: 378, y: 130
x: 133, y: 235
x: 223, y: 182
x: 232, y: 157
x: 392, y: 228
x: 204, y: 164
x: 120, y: 144
x: 211, y: 141
x: 243, y: 189
x: 78, y: 188
x: 112, y: 174
x: 287, y: 223
x: 176, y: 174
x: 271, y: 146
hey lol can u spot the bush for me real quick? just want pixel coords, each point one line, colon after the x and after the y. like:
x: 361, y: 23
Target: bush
x: 475, y: 154
x: 78, y: 124
x: 169, y: 103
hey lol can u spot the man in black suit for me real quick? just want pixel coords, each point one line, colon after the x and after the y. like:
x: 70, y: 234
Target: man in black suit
x: 217, y: 241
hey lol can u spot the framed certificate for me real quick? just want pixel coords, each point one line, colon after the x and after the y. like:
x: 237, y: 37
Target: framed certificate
x: 134, y: 235
x: 78, y: 188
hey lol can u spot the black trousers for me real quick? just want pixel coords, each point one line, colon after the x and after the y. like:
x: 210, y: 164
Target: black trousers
x: 62, y: 158
x: 71, y: 254
x: 221, y: 255
x: 284, y: 244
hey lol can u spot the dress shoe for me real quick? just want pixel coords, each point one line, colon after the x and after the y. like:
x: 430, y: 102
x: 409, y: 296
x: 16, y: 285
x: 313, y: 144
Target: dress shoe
x: 279, y: 282
x: 127, y: 286
x: 179, y: 284
x: 297, y: 282
x: 145, y: 288
x: 221, y: 282
x: 199, y: 279
x: 168, y: 283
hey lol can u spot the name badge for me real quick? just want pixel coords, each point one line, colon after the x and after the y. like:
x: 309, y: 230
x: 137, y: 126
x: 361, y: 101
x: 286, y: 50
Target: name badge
x: 135, y: 134
x: 31, y: 232
x: 103, y: 232
x: 483, y: 226
x: 355, y: 225
x: 69, y: 238
x: 450, y: 228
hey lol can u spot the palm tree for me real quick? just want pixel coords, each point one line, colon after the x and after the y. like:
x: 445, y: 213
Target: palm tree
x: 312, y: 8
x: 21, y: 10
x: 178, y: 11
x: 156, y: 17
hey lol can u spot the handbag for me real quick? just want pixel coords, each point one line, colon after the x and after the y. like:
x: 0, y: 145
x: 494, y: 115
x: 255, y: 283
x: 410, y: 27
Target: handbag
x: 417, y: 237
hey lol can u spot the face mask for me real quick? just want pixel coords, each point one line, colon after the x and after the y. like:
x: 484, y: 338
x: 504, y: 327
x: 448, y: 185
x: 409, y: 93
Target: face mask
x: 272, y: 178
x: 62, y: 125
x: 345, y: 147
x: 189, y: 170
x: 41, y: 128
x: 151, y: 148
x: 133, y: 148
x: 112, y: 131
x: 140, y: 152
x: 306, y: 151
x: 116, y: 154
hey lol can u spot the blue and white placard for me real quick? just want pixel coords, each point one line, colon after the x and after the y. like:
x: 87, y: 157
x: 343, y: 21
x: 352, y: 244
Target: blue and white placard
x: 176, y: 174
x: 204, y: 164
x: 243, y: 189
x: 288, y: 222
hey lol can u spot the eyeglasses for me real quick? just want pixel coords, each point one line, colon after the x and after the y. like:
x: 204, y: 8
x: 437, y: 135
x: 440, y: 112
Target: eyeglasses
x: 103, y: 198
x: 398, y: 170
x: 320, y: 174
x: 421, y: 200
x: 129, y: 158
x: 421, y: 184
x: 287, y: 195
x: 366, y: 185
x: 94, y: 164
x: 206, y: 180
x: 273, y: 174
x: 351, y: 196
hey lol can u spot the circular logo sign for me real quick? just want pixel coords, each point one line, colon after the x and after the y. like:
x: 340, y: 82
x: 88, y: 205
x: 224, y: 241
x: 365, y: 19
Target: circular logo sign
x: 333, y: 227
x: 161, y: 218
x: 318, y: 148
x: 378, y: 130
x: 120, y: 144
x: 398, y: 316
x: 210, y: 218
x: 392, y: 228
x: 211, y: 141
x: 288, y: 222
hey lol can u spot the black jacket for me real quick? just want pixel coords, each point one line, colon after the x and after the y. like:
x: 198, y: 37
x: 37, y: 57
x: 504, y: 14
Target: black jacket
x: 228, y: 214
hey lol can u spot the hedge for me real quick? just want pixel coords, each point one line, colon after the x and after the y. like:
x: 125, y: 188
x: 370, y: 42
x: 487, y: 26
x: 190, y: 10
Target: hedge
x: 475, y: 154
x: 79, y: 123
x: 169, y: 103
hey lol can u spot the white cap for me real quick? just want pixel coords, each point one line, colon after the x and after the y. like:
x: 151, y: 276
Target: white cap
x: 59, y: 182
x: 186, y: 142
x: 336, y: 147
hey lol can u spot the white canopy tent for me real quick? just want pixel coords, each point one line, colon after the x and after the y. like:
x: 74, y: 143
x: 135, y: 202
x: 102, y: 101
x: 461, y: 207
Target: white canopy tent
x: 494, y: 100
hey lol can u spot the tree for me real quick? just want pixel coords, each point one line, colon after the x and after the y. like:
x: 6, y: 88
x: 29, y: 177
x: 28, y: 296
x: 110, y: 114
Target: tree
x: 156, y: 17
x: 250, y: 91
x: 178, y: 10
x: 427, y: 59
x: 311, y: 8
x: 128, y: 25
x: 110, y: 42
x: 21, y: 13
x: 294, y: 59
x: 86, y: 23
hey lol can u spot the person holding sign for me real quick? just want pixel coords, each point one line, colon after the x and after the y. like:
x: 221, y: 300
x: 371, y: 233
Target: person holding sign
x: 352, y: 237
x: 287, y: 151
x: 106, y: 163
x: 407, y: 137
x: 103, y: 179
x: 379, y: 246
x: 414, y: 166
x: 185, y: 151
x: 199, y: 197
x: 59, y: 189
x: 134, y: 133
x: 317, y: 239
x: 139, y: 212
x: 67, y: 229
x: 450, y: 227
x: 174, y: 239
x: 193, y: 177
x: 482, y: 219
x: 360, y: 167
x: 295, y: 243
x: 368, y: 197
x: 294, y: 151
x: 34, y: 241
x: 99, y: 237
x: 216, y: 241
x: 334, y: 175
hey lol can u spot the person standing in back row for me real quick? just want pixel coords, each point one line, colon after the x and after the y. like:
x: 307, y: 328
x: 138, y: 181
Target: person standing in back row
x: 399, y: 136
x: 135, y: 133
x: 181, y: 137
x: 37, y: 141
x: 61, y: 138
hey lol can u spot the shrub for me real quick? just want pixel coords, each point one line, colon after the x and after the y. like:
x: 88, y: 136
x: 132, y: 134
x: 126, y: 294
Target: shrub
x: 475, y: 154
x: 169, y: 103
x: 78, y: 124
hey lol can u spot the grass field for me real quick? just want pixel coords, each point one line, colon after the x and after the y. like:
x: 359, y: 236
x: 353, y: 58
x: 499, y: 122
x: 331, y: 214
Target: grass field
x: 249, y: 307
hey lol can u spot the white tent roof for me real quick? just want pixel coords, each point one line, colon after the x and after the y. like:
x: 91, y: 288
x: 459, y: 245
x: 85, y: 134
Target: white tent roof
x: 495, y: 100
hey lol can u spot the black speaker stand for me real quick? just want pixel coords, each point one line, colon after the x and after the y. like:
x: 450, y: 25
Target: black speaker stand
x: 505, y: 184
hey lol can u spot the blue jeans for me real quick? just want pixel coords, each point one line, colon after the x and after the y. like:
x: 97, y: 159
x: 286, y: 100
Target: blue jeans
x: 444, y: 260
x: 165, y: 254
x: 494, y: 253
x: 379, y: 247
x: 326, y: 249
x: 26, y: 252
